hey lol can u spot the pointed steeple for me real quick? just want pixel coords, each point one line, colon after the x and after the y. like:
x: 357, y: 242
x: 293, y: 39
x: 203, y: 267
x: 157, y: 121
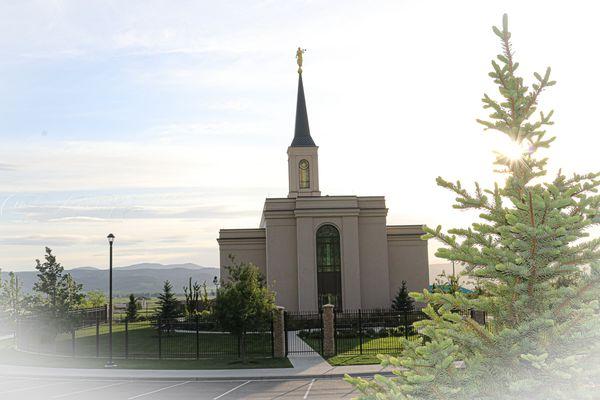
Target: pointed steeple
x: 302, y: 136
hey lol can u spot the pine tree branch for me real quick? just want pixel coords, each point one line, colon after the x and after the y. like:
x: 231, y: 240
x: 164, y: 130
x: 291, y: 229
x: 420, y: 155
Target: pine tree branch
x: 533, y: 249
x: 582, y: 290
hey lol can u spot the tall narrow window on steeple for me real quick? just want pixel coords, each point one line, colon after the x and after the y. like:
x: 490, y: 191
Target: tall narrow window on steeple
x: 304, y: 174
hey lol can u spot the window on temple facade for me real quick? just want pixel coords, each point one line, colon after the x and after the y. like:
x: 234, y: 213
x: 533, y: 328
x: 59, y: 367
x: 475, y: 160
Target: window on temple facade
x: 329, y: 266
x: 304, y: 174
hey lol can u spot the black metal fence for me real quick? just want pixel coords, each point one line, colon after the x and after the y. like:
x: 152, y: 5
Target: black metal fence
x: 182, y: 338
x: 374, y: 331
x: 357, y: 332
x: 89, y: 316
x: 303, y: 332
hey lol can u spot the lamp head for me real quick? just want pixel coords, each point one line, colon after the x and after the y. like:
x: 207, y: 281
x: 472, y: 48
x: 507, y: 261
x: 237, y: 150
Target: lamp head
x: 111, y: 238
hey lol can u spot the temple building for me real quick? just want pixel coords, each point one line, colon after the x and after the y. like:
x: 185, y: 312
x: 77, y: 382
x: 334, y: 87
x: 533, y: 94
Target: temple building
x: 314, y: 249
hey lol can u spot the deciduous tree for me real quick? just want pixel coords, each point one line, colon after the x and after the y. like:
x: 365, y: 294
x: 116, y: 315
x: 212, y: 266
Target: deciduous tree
x: 244, y: 303
x: 56, y: 293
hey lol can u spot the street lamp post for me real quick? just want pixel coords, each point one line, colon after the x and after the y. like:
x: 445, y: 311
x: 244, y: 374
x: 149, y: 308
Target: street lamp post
x: 110, y: 363
x: 216, y: 283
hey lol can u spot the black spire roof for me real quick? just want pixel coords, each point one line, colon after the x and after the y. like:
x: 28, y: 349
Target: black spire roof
x: 302, y: 136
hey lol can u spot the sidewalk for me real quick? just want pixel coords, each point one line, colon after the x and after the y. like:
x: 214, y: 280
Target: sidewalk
x: 304, y: 366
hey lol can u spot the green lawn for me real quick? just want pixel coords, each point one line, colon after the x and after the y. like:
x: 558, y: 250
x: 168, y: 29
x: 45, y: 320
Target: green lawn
x: 143, y: 342
x: 348, y: 349
x: 9, y: 355
x: 13, y: 357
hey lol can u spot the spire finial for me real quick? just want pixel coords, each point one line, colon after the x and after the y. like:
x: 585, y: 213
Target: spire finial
x: 299, y: 53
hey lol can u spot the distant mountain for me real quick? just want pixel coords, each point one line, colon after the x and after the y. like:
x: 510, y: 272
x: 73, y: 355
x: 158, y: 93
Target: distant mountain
x: 160, y: 266
x: 85, y: 269
x: 146, y: 278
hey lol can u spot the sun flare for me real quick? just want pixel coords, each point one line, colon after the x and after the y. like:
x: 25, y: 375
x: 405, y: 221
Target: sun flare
x: 511, y: 149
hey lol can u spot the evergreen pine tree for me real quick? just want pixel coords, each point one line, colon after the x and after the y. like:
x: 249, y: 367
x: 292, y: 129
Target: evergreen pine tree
x: 132, y: 309
x: 403, y: 302
x: 167, y: 304
x: 544, y: 338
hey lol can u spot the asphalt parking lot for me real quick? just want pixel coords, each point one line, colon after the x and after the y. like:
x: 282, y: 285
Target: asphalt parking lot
x: 12, y: 388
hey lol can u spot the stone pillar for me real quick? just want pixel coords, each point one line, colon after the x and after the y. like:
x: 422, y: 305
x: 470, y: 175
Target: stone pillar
x: 307, y: 269
x: 279, y: 333
x: 328, y: 331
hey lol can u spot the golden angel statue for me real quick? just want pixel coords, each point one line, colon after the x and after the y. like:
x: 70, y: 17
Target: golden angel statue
x: 299, y: 54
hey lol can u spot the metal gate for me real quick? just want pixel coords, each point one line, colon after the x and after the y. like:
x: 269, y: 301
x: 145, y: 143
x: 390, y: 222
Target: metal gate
x: 303, y: 332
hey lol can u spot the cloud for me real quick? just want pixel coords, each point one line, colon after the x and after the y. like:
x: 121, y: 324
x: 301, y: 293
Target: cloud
x: 77, y: 219
x: 7, y: 167
x: 74, y: 213
x: 44, y: 240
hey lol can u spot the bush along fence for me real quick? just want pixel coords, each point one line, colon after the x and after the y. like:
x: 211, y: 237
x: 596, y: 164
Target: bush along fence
x: 327, y: 332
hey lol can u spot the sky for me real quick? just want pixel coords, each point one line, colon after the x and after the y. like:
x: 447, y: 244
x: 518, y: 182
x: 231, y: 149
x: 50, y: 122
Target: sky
x: 163, y: 121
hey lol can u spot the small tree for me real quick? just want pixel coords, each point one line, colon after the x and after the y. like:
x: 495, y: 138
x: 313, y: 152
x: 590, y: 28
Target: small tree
x: 11, y: 299
x: 94, y: 299
x: 57, y: 292
x: 132, y: 309
x: 403, y: 302
x: 192, y: 297
x: 244, y: 302
x: 446, y: 283
x: 205, y: 303
x: 168, y: 308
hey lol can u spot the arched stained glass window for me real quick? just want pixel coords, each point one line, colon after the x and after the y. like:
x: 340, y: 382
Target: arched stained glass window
x: 329, y: 266
x: 304, y: 174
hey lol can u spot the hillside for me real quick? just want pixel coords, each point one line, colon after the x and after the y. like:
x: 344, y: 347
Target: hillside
x: 138, y: 278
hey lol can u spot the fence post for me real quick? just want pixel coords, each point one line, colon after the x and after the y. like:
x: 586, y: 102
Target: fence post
x: 406, y: 324
x: 321, y: 330
x: 239, y: 337
x: 279, y: 333
x: 328, y: 330
x: 272, y: 338
x: 360, y: 331
x: 126, y: 338
x: 97, y: 335
x: 159, y: 340
x: 73, y: 341
x: 197, y: 337
x: 285, y: 324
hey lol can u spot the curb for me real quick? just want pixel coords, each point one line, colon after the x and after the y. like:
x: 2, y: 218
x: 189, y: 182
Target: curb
x: 198, y: 378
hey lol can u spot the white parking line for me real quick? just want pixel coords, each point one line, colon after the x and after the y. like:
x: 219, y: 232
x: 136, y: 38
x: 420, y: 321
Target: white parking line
x: 87, y: 390
x: 157, y: 390
x: 23, y: 389
x: 229, y: 391
x: 308, y: 389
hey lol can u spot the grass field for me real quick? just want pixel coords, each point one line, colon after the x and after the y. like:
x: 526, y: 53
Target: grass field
x: 142, y: 341
x: 10, y: 356
x: 348, y: 349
